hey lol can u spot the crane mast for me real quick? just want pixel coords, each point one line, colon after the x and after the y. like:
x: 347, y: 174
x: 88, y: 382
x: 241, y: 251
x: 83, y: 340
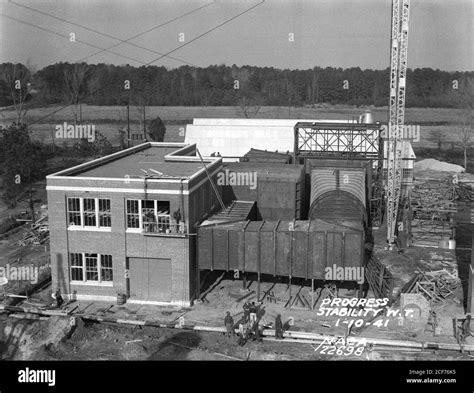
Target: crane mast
x: 398, y: 70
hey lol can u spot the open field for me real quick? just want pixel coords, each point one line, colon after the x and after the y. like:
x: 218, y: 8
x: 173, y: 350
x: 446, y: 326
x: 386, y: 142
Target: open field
x: 178, y: 113
x: 108, y: 119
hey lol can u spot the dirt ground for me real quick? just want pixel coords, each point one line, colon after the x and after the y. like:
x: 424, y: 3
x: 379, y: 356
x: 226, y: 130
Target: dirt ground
x: 106, y: 341
x: 47, y: 340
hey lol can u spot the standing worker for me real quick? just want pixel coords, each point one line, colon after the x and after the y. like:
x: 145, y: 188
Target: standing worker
x: 59, y: 299
x: 278, y: 327
x: 246, y: 308
x: 243, y: 331
x: 253, y: 314
x: 466, y: 328
x: 229, y: 324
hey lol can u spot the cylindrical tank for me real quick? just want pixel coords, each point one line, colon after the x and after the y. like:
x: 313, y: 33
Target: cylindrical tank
x: 366, y: 118
x: 121, y: 299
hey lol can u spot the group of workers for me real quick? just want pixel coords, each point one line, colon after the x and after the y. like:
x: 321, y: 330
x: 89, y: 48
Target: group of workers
x: 251, y: 324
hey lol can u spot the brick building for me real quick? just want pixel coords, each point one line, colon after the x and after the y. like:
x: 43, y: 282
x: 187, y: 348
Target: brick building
x: 125, y: 223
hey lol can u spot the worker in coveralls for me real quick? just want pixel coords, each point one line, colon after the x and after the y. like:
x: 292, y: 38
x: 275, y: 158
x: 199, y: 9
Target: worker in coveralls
x: 229, y: 324
x: 59, y: 299
x: 278, y: 327
x: 466, y: 328
x: 256, y: 331
x: 243, y: 330
x: 253, y: 313
x: 246, y: 308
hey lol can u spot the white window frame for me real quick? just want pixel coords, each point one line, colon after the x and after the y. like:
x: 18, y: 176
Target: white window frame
x: 141, y: 228
x: 81, y: 213
x: 140, y: 218
x: 84, y: 281
x: 84, y: 227
x: 97, y: 212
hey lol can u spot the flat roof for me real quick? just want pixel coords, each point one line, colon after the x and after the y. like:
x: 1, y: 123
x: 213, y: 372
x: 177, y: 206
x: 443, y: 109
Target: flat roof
x: 156, y: 160
x: 150, y: 158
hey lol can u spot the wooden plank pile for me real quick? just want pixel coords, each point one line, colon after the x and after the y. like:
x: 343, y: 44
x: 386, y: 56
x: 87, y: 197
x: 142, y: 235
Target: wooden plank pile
x: 437, y: 286
x: 379, y: 278
x: 433, y: 197
x: 37, y: 234
x: 434, y: 202
x: 463, y: 192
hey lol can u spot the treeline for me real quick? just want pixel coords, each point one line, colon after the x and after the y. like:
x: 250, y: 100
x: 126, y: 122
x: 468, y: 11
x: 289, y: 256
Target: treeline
x: 105, y: 84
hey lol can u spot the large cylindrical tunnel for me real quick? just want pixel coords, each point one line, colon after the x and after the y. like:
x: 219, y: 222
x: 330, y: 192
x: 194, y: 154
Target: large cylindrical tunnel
x: 338, y: 195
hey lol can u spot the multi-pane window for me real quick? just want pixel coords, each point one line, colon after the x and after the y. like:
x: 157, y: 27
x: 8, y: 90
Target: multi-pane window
x: 91, y: 267
x: 92, y: 272
x: 133, y: 214
x: 106, y: 271
x: 163, y: 215
x: 74, y: 211
x: 77, y: 271
x: 89, y: 212
x: 149, y: 215
x: 105, y: 218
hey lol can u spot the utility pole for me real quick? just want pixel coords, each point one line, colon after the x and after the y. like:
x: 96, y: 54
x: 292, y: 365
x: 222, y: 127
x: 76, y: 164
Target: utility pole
x: 128, y: 125
x: 144, y: 123
x: 32, y: 206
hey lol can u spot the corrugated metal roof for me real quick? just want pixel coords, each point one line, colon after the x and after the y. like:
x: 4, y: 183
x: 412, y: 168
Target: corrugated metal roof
x: 345, y: 179
x: 235, y: 211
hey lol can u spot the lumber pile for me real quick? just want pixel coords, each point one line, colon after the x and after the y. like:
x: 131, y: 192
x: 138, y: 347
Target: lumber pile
x: 379, y: 278
x: 434, y: 201
x: 436, y: 286
x: 37, y: 234
x: 463, y: 192
x: 433, y: 198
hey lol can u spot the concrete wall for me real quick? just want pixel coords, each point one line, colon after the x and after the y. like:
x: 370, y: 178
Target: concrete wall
x: 235, y: 137
x: 235, y: 141
x: 259, y: 122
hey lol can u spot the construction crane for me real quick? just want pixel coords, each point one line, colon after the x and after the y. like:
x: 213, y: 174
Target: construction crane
x: 398, y: 70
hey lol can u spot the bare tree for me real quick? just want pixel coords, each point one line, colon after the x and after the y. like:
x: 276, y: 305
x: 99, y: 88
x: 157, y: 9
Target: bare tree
x: 438, y: 137
x: 466, y: 134
x: 249, y: 107
x: 74, y: 79
x: 464, y: 99
x: 141, y: 100
x: 17, y: 78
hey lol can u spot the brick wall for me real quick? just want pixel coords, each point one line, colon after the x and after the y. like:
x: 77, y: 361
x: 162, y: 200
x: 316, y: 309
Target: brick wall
x: 122, y: 245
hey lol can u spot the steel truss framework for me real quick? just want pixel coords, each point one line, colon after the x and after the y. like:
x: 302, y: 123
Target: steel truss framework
x: 353, y: 141
x: 398, y: 69
x: 343, y: 140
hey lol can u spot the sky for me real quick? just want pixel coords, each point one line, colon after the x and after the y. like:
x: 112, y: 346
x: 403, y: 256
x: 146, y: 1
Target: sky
x: 294, y: 34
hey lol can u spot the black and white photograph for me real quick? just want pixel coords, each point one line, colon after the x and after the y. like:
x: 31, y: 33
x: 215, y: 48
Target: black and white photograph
x: 233, y: 182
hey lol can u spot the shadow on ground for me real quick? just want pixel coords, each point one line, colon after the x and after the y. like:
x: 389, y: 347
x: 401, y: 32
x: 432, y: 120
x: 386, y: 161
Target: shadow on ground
x: 176, y: 347
x: 463, y: 256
